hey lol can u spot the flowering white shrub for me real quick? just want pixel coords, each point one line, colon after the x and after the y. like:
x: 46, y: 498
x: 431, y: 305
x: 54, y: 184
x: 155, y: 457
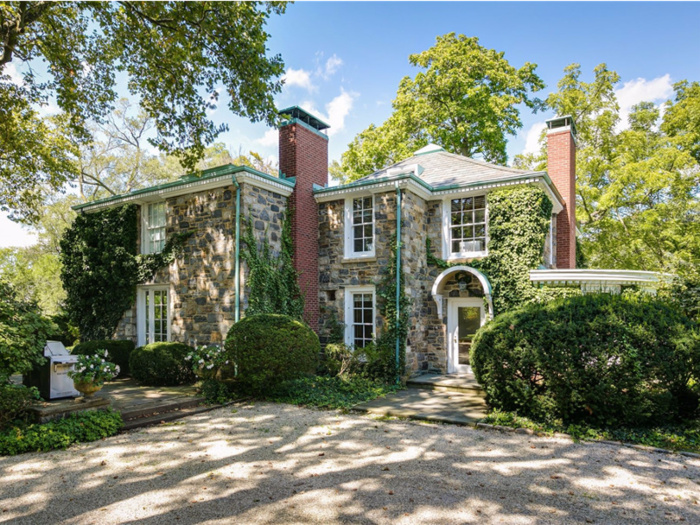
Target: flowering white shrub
x: 207, y: 360
x: 94, y: 369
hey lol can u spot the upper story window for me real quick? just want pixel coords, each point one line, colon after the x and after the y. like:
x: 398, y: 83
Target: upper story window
x: 466, y: 227
x: 154, y: 227
x: 359, y: 227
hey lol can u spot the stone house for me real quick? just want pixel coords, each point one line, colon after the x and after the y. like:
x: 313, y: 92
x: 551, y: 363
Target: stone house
x: 342, y: 238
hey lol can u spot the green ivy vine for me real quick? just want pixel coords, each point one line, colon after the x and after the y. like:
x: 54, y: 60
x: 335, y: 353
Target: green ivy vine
x: 273, y: 281
x: 101, y: 268
x: 396, y: 327
x: 518, y: 224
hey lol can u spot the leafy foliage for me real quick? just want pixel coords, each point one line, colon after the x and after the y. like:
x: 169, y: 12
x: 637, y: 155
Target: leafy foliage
x: 119, y: 351
x: 23, y: 334
x: 273, y: 281
x: 465, y: 98
x: 637, y: 185
x: 101, y: 268
x: 602, y: 360
x: 208, y: 361
x: 15, y: 400
x: 375, y: 361
x: 59, y: 434
x: 330, y: 392
x: 218, y: 392
x: 94, y: 369
x: 396, y: 321
x: 85, y: 45
x: 269, y: 348
x: 161, y: 364
x: 518, y: 224
x: 681, y: 437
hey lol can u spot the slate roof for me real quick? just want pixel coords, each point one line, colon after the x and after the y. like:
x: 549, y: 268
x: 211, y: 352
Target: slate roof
x: 441, y: 169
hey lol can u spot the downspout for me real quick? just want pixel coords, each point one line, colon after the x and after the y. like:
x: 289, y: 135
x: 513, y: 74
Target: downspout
x: 237, y: 259
x: 398, y: 278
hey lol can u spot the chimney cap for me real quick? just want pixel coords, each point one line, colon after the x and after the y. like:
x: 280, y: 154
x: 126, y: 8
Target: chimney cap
x: 295, y: 112
x: 564, y: 121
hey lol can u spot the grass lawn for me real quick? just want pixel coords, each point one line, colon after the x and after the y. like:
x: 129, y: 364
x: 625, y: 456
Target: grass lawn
x: 679, y: 438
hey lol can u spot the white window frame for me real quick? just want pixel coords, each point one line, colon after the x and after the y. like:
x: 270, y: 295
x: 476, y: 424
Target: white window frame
x: 349, y: 317
x: 350, y: 252
x: 141, y: 313
x: 447, y: 230
x: 146, y: 246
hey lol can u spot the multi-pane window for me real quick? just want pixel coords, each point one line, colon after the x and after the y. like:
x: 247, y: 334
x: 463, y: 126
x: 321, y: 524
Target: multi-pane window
x: 154, y: 238
x: 153, y: 318
x: 467, y: 225
x: 362, y: 221
x: 359, y: 316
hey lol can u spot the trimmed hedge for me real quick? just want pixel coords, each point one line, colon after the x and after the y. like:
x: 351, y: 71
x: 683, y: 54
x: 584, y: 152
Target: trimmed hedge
x: 597, y: 359
x: 119, y: 351
x: 161, y: 364
x: 15, y: 400
x: 270, y: 348
x: 81, y: 427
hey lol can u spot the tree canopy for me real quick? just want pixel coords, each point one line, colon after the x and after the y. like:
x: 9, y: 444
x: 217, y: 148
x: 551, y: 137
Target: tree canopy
x: 637, y: 182
x: 177, y: 56
x: 465, y: 98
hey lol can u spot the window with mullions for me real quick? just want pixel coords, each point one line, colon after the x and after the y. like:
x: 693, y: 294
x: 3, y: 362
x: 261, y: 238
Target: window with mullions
x: 359, y: 316
x: 362, y: 225
x: 467, y: 225
x: 154, y: 228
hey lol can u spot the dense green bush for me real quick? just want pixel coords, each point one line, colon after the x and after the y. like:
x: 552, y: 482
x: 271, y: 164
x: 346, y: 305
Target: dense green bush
x: 376, y: 361
x: 59, y: 434
x: 23, y: 334
x: 161, y: 364
x: 14, y: 402
x: 119, y: 352
x: 597, y: 359
x: 269, y: 348
x: 66, y: 332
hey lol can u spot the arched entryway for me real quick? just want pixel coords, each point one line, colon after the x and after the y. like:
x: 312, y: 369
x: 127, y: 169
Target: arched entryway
x: 464, y: 302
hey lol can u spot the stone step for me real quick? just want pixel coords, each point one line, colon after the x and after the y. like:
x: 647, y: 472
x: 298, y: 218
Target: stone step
x: 145, y: 409
x: 155, y: 419
x: 444, y: 384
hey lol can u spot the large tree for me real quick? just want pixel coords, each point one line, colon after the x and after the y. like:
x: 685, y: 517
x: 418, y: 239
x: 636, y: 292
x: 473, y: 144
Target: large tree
x: 637, y: 182
x: 465, y: 98
x: 176, y: 57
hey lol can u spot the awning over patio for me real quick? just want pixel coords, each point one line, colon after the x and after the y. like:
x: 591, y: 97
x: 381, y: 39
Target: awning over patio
x: 607, y: 281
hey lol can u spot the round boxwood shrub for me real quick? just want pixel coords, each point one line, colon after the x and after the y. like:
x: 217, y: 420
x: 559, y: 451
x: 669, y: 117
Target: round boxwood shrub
x: 161, y: 364
x: 119, y: 352
x: 600, y: 359
x: 270, y: 348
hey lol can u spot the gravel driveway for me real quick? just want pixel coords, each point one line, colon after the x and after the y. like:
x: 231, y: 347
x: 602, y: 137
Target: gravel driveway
x: 267, y: 463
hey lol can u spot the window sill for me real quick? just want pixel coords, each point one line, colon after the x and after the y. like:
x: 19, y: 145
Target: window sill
x: 466, y: 256
x: 367, y: 258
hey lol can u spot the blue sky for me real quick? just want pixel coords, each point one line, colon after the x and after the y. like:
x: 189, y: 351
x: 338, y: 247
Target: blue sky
x: 344, y: 60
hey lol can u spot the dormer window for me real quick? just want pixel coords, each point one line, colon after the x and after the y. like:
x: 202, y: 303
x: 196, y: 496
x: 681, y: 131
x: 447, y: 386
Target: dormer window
x: 153, y: 239
x: 359, y: 227
x: 466, y: 227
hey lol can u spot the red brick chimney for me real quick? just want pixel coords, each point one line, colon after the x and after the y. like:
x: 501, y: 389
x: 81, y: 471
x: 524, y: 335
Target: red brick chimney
x: 303, y: 153
x: 561, y: 166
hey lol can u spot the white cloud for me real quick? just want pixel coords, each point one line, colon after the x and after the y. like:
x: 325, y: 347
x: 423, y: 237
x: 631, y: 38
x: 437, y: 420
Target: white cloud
x: 532, y: 139
x: 14, y: 235
x: 336, y: 110
x: 639, y: 90
x: 270, y: 138
x: 300, y: 78
x: 11, y: 71
x: 332, y: 65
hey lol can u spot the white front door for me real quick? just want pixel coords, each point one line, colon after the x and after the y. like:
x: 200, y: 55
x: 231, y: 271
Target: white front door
x: 464, y: 317
x: 153, y: 314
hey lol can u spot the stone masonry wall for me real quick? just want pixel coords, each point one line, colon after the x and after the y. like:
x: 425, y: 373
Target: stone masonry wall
x: 202, y: 282
x: 335, y: 273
